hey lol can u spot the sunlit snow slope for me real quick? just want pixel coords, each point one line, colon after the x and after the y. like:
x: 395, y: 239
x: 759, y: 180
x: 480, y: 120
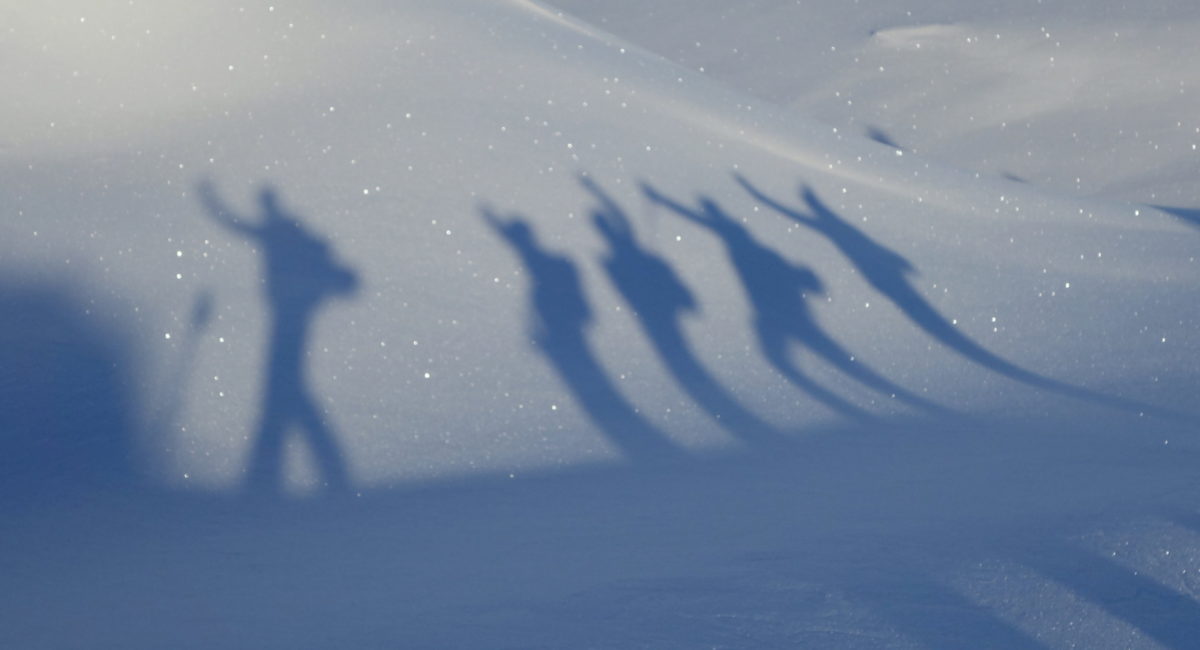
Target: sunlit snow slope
x: 1091, y: 99
x: 579, y: 322
x: 389, y: 131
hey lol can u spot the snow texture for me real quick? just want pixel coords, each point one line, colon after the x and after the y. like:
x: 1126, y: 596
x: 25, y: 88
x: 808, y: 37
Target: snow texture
x: 499, y: 323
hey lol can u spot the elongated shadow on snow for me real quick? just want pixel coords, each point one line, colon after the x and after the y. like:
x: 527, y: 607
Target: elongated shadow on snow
x: 66, y: 401
x: 777, y: 290
x: 561, y: 316
x: 879, y: 135
x: 861, y: 516
x: 835, y: 529
x: 659, y: 300
x: 300, y: 274
x: 887, y: 272
x: 926, y: 611
x: 1168, y: 617
x: 1190, y: 216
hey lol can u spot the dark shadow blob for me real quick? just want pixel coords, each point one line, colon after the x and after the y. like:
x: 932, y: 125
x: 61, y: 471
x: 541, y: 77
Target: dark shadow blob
x: 659, y: 300
x: 299, y: 275
x: 561, y: 316
x: 1014, y: 178
x: 887, y: 271
x: 1190, y: 216
x: 777, y: 290
x: 879, y: 135
x: 66, y: 400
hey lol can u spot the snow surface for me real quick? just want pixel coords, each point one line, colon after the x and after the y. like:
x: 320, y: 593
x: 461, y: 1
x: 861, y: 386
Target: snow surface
x: 499, y: 323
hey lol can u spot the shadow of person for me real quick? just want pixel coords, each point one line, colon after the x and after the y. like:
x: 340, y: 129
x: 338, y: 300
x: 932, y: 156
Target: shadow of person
x: 561, y: 316
x: 659, y: 300
x: 887, y: 271
x: 777, y: 290
x: 300, y: 273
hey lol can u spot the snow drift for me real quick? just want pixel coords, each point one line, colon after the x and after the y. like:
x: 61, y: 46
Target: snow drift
x: 562, y: 333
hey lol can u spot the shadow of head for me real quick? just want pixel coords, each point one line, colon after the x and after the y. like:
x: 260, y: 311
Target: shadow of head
x: 302, y: 264
x: 269, y: 199
x: 714, y: 216
x: 66, y: 407
x: 615, y: 231
x: 513, y: 229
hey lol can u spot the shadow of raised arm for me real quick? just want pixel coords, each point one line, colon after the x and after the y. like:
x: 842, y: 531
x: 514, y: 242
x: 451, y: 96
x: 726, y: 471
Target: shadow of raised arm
x: 608, y: 217
x: 698, y: 217
x: 772, y: 203
x: 850, y: 239
x: 612, y: 222
x: 509, y: 229
x: 220, y: 212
